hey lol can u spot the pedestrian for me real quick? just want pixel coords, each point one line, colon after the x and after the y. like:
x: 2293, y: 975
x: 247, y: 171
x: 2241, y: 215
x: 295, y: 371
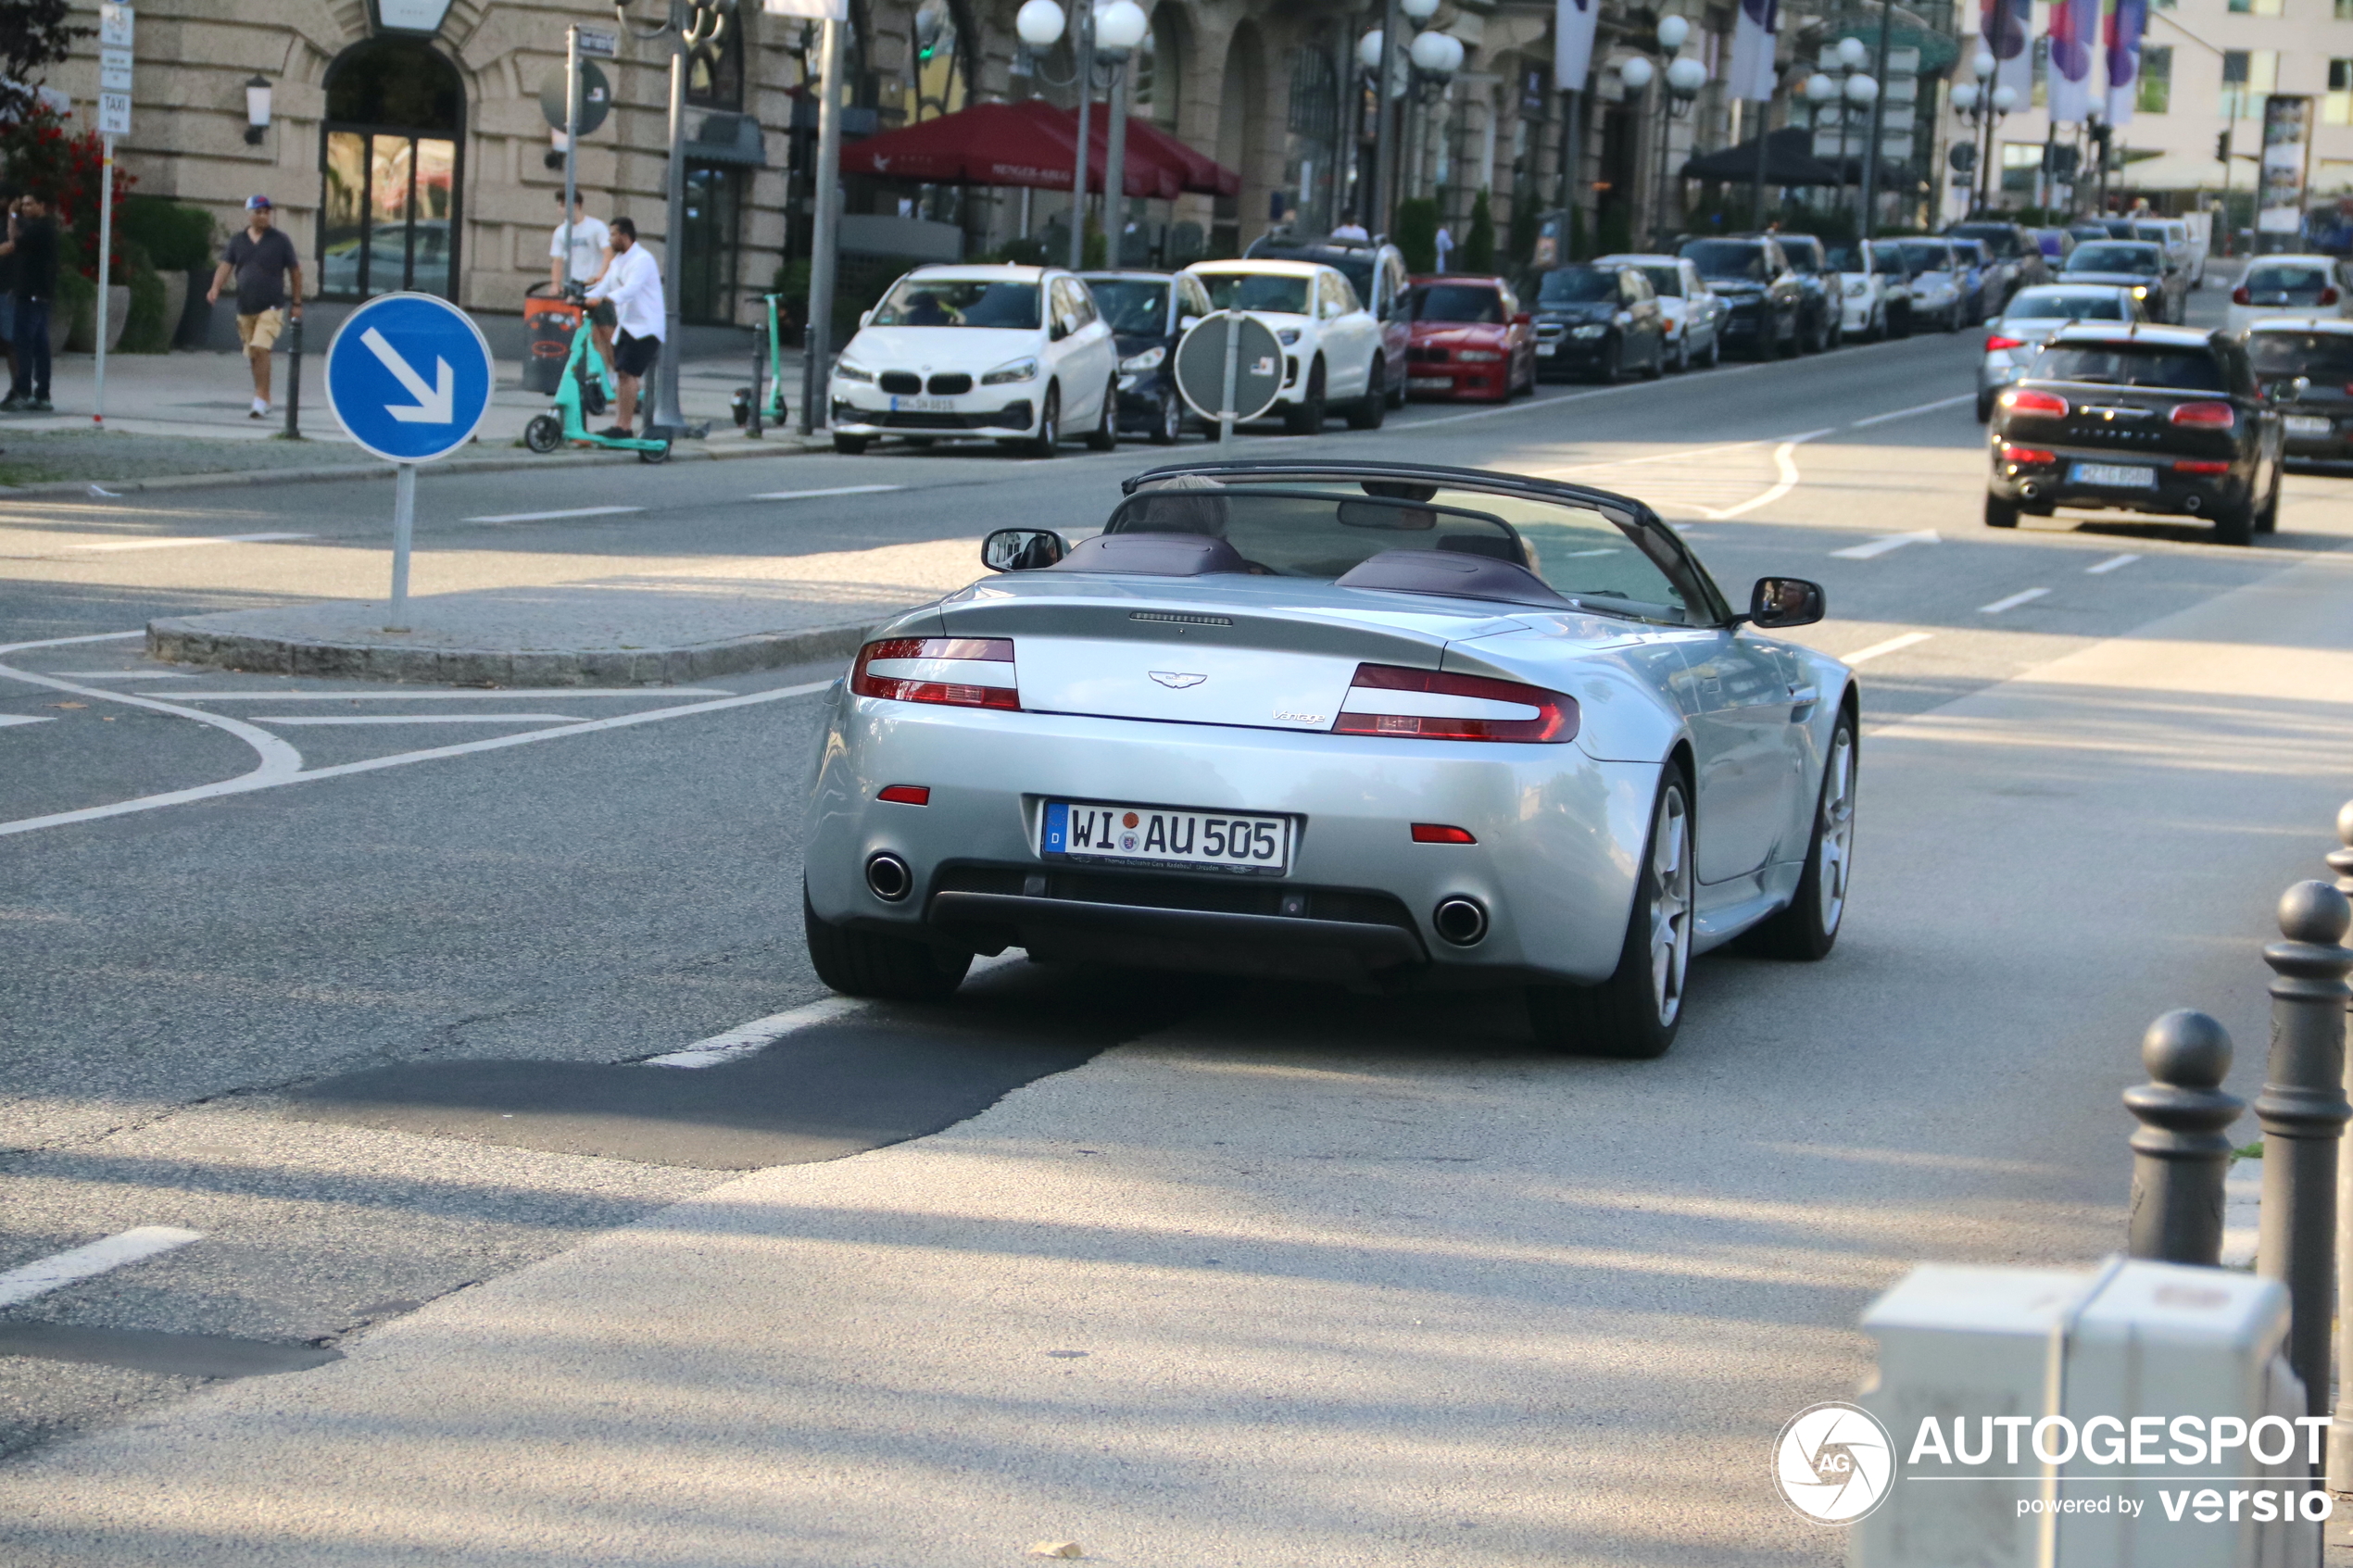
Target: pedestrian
x: 7, y: 291
x: 1351, y: 230
x: 1445, y: 246
x: 33, y: 245
x: 269, y: 277
x: 590, y: 243
x: 634, y: 284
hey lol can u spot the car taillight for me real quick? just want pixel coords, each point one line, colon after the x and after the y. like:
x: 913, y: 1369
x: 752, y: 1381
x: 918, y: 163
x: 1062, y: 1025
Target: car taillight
x: 1439, y: 833
x: 905, y: 795
x: 1998, y: 341
x: 2203, y: 416
x: 2240, y: 297
x: 2328, y: 297
x: 1386, y: 699
x: 2019, y: 401
x: 956, y: 671
x: 2196, y: 465
x: 2011, y: 454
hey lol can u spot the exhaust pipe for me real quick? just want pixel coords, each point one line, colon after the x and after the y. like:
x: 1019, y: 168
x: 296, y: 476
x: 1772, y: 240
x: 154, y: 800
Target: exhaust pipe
x: 888, y: 878
x: 2030, y: 490
x: 1460, y: 921
x: 2192, y: 502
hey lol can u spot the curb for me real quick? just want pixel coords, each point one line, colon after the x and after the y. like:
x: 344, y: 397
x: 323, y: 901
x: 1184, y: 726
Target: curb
x: 786, y: 447
x: 186, y: 641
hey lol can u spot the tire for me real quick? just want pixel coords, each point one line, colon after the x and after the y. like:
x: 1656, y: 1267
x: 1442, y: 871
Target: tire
x: 544, y: 434
x: 867, y: 963
x: 1682, y: 357
x: 1612, y: 369
x: 655, y: 455
x: 1370, y: 411
x: 1634, y: 1013
x: 1397, y: 397
x: 1984, y: 407
x: 2267, y: 520
x: 2000, y: 513
x: 1902, y: 326
x: 1657, y: 367
x: 1813, y: 342
x: 1104, y: 437
x: 851, y: 445
x: 2235, y: 524
x: 1306, y: 417
x: 1715, y: 349
x: 1877, y: 331
x: 1168, y: 419
x: 1807, y: 929
x: 1953, y: 318
x: 1049, y: 439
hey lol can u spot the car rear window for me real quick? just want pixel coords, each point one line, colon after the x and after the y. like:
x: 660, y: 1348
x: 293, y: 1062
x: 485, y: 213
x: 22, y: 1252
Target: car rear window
x: 1919, y: 258
x: 1273, y: 293
x: 2003, y: 240
x: 2133, y: 364
x: 2324, y: 357
x: 2063, y: 305
x: 2139, y: 259
x: 2301, y: 282
x: 1468, y: 304
x: 1666, y: 282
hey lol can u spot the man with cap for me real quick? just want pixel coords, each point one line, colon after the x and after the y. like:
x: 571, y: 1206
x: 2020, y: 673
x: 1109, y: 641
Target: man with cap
x: 269, y: 278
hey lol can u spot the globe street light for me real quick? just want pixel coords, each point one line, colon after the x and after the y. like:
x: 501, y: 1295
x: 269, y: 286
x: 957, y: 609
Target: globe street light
x: 1983, y: 109
x: 1107, y: 35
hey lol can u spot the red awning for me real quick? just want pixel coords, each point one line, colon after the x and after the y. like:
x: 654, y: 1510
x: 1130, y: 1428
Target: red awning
x: 1203, y: 175
x: 1032, y: 144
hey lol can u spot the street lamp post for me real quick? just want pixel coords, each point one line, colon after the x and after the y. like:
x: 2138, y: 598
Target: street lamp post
x: 1435, y: 57
x: 1983, y: 109
x: 1107, y: 34
x: 691, y: 26
x: 1851, y: 90
x: 1681, y: 80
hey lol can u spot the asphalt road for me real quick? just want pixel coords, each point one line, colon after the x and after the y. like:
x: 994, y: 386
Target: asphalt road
x: 1475, y: 1304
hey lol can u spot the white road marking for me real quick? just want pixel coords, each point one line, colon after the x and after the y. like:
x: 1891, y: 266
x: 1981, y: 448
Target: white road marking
x: 1881, y: 546
x: 279, y: 760
x: 417, y: 718
x: 1893, y: 644
x: 63, y: 641
x: 507, y: 694
x: 1915, y: 409
x: 2023, y: 595
x: 267, y: 779
x: 8, y: 719
x: 1785, y: 459
x: 40, y: 1277
x: 192, y: 539
x: 837, y: 490
x: 116, y: 675
x: 2109, y: 565
x: 749, y: 1039
x: 550, y: 516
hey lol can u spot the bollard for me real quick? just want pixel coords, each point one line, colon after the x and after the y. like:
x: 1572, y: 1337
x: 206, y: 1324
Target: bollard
x: 2303, y: 1110
x: 2180, y: 1154
x: 2340, y: 1470
x: 294, y: 380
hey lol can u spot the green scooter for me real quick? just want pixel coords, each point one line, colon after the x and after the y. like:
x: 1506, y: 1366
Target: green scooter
x: 586, y: 389
x: 771, y: 408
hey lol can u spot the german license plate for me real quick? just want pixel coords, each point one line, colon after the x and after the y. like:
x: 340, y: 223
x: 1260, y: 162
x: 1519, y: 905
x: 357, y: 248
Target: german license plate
x: 1154, y: 836
x: 922, y: 405
x: 1546, y: 350
x: 1428, y: 383
x: 2307, y: 426
x: 2115, y: 476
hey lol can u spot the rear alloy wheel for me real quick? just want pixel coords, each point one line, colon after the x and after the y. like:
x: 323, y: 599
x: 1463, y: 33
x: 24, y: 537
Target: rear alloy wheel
x: 1372, y: 407
x: 1635, y: 1013
x: 1307, y: 416
x: 1808, y: 928
x: 1168, y: 419
x: 1104, y: 437
x: 867, y: 963
x: 2000, y: 513
x: 1049, y: 439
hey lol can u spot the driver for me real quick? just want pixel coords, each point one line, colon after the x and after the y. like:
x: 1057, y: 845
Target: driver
x: 924, y: 311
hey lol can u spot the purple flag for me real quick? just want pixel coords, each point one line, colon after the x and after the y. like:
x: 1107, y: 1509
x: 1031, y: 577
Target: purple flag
x: 2127, y: 19
x: 2075, y: 34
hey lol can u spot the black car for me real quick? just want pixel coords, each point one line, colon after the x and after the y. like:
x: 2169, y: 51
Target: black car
x: 1599, y: 320
x: 1759, y: 287
x: 1819, y: 312
x: 2305, y: 369
x: 1148, y: 312
x: 2139, y: 419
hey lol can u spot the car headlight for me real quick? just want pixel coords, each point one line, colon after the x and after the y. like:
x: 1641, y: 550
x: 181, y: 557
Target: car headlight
x: 1287, y: 336
x: 1594, y: 331
x: 1020, y: 369
x: 845, y: 370
x: 1149, y: 359
x: 1477, y: 355
x: 2140, y: 293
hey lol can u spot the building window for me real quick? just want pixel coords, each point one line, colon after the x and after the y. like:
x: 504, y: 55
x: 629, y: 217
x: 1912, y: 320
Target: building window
x: 391, y: 160
x: 707, y: 262
x: 2255, y: 7
x: 2156, y: 94
x: 2337, y: 107
x: 2022, y: 161
x: 1157, y: 80
x: 2039, y: 95
x: 2248, y: 77
x: 715, y: 73
x: 2344, y: 10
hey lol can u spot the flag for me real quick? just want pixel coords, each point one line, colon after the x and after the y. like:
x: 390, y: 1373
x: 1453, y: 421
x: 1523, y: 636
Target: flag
x: 1755, y: 32
x: 2075, y: 34
x: 2007, y: 26
x: 2127, y: 19
x: 1573, y: 43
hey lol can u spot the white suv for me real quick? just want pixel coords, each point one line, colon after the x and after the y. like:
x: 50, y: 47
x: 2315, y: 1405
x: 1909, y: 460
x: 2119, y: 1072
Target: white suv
x: 1017, y: 353
x: 1332, y: 343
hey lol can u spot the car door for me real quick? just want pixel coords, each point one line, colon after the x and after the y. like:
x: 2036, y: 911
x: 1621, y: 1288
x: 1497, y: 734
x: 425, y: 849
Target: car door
x: 1395, y: 320
x: 1083, y: 354
x: 1350, y: 336
x: 1747, y: 750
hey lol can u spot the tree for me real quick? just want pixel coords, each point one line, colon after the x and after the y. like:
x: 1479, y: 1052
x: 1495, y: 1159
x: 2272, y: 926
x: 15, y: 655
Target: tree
x: 1478, y: 248
x: 1416, y: 234
x: 34, y: 35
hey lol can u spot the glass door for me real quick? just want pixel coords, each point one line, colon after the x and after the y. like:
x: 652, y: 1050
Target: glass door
x: 390, y: 200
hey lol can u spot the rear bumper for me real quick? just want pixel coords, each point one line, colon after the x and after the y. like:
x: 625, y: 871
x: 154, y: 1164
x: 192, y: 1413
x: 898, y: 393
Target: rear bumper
x: 2174, y: 494
x: 1450, y: 380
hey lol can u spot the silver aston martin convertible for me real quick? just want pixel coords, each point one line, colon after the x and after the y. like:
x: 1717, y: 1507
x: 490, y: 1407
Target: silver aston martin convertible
x: 1383, y: 724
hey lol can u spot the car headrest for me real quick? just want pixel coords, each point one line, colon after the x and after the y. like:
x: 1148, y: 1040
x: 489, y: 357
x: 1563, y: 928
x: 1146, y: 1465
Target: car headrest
x: 1454, y: 574
x: 1152, y: 555
x: 1170, y: 510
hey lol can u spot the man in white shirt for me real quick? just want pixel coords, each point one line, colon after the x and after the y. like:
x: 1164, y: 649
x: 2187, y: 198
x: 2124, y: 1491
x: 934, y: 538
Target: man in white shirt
x: 590, y: 244
x: 1445, y: 247
x: 1351, y: 230
x: 633, y: 283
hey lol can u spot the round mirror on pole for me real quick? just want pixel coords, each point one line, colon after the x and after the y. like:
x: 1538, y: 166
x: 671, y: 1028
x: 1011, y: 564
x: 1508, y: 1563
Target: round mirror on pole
x: 1635, y: 73
x: 1039, y: 23
x: 1672, y: 31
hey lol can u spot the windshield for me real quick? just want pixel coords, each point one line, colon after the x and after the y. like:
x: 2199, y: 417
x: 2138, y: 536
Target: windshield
x: 2065, y: 305
x: 2151, y: 231
x: 2131, y: 364
x: 1802, y: 259
x: 1576, y: 285
x: 1847, y: 258
x: 2324, y: 357
x: 2138, y: 259
x: 1323, y: 528
x: 1464, y: 303
x: 2296, y: 282
x: 1919, y: 258
x: 1998, y: 237
x: 1890, y: 259
x: 1727, y: 261
x: 1134, y: 306
x: 1274, y: 294
x: 959, y: 302
x: 1666, y: 282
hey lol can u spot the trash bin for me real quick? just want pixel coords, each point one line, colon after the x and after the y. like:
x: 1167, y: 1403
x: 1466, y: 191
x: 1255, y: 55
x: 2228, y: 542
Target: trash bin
x: 549, y: 322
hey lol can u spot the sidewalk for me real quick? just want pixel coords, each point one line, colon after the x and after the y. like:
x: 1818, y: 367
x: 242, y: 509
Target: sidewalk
x: 187, y: 413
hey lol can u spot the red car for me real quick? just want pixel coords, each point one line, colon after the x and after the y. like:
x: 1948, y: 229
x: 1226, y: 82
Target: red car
x: 1471, y: 340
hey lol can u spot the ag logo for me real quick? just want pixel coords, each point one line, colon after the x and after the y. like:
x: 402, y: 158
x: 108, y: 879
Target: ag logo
x: 1834, y: 1462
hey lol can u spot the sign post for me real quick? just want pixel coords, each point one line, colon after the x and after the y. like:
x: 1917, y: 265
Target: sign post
x: 409, y: 377
x: 574, y: 116
x: 1229, y: 367
x: 118, y: 24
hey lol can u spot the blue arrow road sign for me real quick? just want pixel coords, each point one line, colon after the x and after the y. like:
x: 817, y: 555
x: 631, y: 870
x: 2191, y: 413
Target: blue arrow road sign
x: 409, y: 376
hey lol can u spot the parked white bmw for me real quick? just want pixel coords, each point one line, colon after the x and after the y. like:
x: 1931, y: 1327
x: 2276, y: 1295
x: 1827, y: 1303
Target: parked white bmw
x: 1017, y: 353
x: 1331, y: 342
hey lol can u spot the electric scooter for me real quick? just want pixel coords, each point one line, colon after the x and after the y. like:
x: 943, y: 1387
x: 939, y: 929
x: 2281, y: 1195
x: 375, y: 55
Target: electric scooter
x: 586, y: 389
x: 773, y: 410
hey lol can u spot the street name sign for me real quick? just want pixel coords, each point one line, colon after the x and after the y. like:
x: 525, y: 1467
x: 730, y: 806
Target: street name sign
x: 409, y: 376
x: 593, y: 42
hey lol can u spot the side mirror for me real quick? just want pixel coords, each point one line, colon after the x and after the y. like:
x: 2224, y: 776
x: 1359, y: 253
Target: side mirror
x: 1022, y: 549
x: 1777, y: 602
x: 1187, y: 323
x: 865, y: 316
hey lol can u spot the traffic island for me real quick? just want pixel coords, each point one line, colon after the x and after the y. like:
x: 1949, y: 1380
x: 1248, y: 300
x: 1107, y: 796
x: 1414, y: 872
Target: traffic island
x: 569, y: 636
